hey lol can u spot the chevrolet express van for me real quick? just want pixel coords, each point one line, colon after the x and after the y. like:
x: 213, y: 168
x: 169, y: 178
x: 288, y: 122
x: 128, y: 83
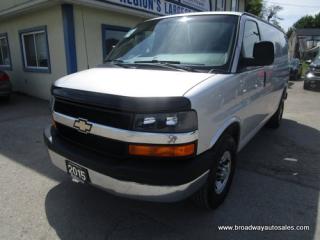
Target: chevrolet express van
x: 177, y: 98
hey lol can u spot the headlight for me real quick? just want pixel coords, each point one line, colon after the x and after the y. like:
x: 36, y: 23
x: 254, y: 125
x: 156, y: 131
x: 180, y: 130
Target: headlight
x: 166, y: 122
x: 310, y: 75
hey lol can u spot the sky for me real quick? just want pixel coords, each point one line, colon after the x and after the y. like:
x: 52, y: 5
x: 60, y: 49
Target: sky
x: 293, y: 10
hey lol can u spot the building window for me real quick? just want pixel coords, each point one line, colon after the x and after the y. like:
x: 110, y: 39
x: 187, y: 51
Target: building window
x: 111, y: 35
x: 35, y: 51
x: 220, y: 5
x: 234, y: 5
x: 5, y: 60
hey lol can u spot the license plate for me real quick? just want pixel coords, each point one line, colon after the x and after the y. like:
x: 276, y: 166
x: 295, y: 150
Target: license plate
x: 77, y: 172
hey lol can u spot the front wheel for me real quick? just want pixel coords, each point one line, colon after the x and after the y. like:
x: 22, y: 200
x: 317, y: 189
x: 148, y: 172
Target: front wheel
x: 213, y: 193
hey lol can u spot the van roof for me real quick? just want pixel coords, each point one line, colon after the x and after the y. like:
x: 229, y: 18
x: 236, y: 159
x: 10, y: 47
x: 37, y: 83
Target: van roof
x: 218, y: 13
x: 201, y: 14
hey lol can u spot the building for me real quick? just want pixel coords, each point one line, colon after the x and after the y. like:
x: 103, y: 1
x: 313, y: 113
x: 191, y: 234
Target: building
x: 43, y: 40
x: 304, y: 43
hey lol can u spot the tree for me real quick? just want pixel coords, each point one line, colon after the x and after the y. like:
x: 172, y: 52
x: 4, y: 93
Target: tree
x: 290, y: 31
x: 270, y: 13
x: 305, y: 22
x: 317, y: 20
x: 254, y: 7
x: 259, y: 8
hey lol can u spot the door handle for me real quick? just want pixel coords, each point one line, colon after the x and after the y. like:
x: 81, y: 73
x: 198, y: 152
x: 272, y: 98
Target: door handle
x: 264, y: 78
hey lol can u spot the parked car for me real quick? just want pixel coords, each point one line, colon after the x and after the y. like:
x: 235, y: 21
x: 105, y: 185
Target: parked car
x: 5, y: 85
x: 178, y: 98
x: 295, y: 69
x: 312, y: 79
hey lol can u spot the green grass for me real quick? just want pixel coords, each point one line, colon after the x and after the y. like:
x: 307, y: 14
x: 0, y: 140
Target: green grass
x: 304, y: 68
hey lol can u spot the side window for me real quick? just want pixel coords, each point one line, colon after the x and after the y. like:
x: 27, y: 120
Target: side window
x: 111, y: 35
x: 251, y: 36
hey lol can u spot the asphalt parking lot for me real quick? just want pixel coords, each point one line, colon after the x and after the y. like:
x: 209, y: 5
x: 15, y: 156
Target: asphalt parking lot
x: 277, y: 183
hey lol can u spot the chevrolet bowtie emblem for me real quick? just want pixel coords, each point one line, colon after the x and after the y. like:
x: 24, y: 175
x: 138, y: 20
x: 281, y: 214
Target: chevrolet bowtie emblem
x: 82, y: 125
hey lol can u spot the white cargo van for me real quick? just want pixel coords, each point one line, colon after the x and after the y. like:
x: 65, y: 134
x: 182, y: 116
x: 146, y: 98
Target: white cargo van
x: 177, y: 98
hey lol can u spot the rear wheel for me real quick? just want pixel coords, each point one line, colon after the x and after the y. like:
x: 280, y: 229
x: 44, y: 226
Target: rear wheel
x: 213, y: 193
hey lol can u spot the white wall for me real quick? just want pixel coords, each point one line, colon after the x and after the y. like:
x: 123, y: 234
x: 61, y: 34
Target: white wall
x: 241, y: 5
x: 88, y: 23
x: 36, y: 84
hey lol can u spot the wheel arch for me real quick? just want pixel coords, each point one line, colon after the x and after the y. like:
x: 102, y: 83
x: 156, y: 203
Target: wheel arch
x: 232, y: 127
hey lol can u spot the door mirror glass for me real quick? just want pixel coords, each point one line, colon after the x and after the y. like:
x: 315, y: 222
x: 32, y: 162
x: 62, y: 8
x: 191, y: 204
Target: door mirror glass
x: 263, y: 53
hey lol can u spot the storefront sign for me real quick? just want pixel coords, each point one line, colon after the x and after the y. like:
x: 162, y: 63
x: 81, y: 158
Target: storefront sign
x: 202, y: 5
x: 164, y: 7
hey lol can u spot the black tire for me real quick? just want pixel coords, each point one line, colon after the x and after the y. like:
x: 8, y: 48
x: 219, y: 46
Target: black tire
x: 208, y: 197
x: 305, y: 86
x: 276, y: 119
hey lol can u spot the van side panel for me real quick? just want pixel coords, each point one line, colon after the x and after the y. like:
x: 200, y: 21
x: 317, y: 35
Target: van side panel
x: 278, y: 73
x: 227, y: 98
x: 218, y: 104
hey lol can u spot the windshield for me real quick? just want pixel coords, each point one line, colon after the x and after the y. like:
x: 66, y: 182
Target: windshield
x: 200, y: 41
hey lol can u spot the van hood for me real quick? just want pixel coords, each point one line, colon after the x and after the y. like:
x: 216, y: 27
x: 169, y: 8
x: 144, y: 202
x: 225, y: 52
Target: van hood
x: 133, y: 82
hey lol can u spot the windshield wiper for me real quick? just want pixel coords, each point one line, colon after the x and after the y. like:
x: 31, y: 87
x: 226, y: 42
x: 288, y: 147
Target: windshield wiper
x: 159, y: 61
x: 176, y: 65
x: 118, y: 62
x: 216, y: 70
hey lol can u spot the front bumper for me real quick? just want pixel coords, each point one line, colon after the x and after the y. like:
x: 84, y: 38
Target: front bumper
x: 312, y: 83
x: 148, y: 179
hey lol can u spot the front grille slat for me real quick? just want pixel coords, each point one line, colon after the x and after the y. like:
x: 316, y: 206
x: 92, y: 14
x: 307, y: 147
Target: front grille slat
x: 107, y: 117
x: 104, y: 146
x: 98, y: 115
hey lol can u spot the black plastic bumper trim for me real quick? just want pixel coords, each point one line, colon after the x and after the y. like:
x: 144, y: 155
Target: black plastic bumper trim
x: 161, y: 172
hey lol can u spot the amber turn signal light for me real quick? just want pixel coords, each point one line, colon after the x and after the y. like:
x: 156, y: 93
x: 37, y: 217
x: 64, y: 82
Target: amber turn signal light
x: 162, y: 151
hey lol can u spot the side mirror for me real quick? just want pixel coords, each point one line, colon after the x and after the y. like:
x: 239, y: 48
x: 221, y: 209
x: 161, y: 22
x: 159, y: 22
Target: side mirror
x: 263, y: 53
